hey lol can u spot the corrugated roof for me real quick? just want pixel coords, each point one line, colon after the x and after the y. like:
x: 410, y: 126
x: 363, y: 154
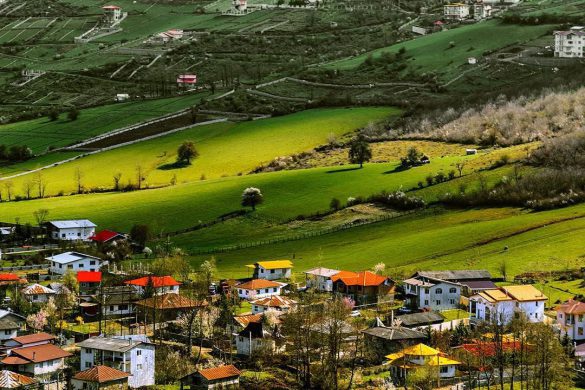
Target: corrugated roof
x: 321, y: 271
x: 37, y: 289
x: 73, y: 223
x: 101, y: 374
x: 417, y: 319
x: 170, y: 301
x: 105, y: 236
x: 33, y: 338
x: 222, y: 372
x: 418, y: 282
x: 456, y: 275
x: 273, y: 264
x: 525, y: 293
x: 395, y: 333
x: 244, y: 320
x: 480, y: 284
x: 8, y: 324
x: 274, y: 301
x: 41, y: 353
x: 109, y: 344
x: 156, y: 281
x: 257, y: 284
x: 12, y: 380
x: 69, y: 257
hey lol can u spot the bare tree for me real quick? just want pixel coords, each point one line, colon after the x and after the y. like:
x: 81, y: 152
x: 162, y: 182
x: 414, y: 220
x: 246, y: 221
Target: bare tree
x: 41, y: 184
x: 79, y: 179
x: 27, y: 187
x: 41, y: 216
x: 459, y: 166
x: 9, y: 185
x: 117, y: 177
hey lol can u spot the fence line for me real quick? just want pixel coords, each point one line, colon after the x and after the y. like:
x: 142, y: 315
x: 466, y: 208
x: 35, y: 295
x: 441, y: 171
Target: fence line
x: 301, y: 236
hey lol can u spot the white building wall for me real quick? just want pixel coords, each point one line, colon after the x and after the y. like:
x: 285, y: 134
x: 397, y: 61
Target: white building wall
x: 569, y: 46
x: 261, y: 293
x: 142, y: 366
x: 533, y: 310
x: 48, y: 366
x: 37, y: 298
x: 8, y: 334
x: 78, y: 265
x: 572, y: 325
x: 73, y: 234
x: 273, y: 274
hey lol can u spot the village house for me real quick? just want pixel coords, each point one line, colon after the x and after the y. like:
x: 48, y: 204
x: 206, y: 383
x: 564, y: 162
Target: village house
x: 320, y: 279
x: 418, y: 356
x: 381, y: 340
x: 442, y: 290
x: 130, y: 354
x: 258, y: 337
x: 272, y: 270
x: 456, y: 11
x: 169, y: 36
x: 117, y: 300
x: 502, y: 304
x: 571, y: 320
x: 89, y: 282
x: 570, y: 43
x: 241, y: 321
x: 159, y: 284
x: 112, y: 13
x: 107, y: 237
x: 258, y: 288
x: 36, y: 293
x: 223, y: 377
x: 10, y: 324
x: 100, y: 377
x: 364, y: 287
x: 36, y: 355
x: 12, y: 380
x: 167, y: 307
x: 273, y: 302
x: 481, y: 11
x: 71, y: 230
x: 74, y: 261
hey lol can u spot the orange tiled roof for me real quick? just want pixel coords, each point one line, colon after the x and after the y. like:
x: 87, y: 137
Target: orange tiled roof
x: 572, y: 307
x: 258, y: 284
x: 41, y: 353
x: 101, y: 374
x: 364, y: 278
x: 274, y: 301
x: 245, y: 319
x: 219, y: 372
x: 343, y: 274
x: 33, y: 338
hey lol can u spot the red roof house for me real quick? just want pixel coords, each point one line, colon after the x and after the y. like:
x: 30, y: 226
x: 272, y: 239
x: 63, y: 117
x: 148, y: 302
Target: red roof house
x: 161, y: 284
x: 100, y: 374
x: 364, y: 287
x: 105, y: 236
x: 89, y: 276
x: 215, y: 377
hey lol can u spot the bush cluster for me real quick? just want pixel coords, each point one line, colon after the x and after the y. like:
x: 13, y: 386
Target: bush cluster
x: 15, y: 153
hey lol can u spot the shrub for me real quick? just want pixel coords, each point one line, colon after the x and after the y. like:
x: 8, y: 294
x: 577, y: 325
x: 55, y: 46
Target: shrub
x: 335, y: 204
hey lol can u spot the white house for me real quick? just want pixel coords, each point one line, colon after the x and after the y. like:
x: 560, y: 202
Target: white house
x: 117, y: 300
x: 272, y: 270
x: 274, y: 302
x: 456, y: 11
x: 481, y: 11
x: 36, y: 293
x: 160, y: 284
x: 320, y: 278
x: 432, y: 294
x: 131, y: 354
x: 10, y: 324
x: 503, y: 304
x: 258, y: 288
x: 74, y: 261
x: 571, y: 43
x: 36, y: 355
x: 71, y: 230
x: 256, y: 337
x: 571, y: 319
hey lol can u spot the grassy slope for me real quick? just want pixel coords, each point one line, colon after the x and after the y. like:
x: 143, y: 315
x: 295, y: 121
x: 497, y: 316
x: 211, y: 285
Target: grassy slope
x: 39, y: 134
x: 433, y: 52
x: 455, y: 240
x: 225, y: 149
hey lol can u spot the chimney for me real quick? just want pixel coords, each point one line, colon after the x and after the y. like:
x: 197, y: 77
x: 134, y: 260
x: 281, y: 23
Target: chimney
x: 34, y: 356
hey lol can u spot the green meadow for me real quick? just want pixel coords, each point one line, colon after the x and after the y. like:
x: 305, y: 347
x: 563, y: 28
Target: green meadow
x: 226, y: 149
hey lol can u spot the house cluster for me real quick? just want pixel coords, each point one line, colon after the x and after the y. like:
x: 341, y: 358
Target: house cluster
x: 475, y: 10
x: 570, y: 43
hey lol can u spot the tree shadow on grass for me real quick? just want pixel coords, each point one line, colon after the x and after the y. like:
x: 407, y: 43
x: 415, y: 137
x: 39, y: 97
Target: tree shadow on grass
x: 343, y: 170
x: 399, y: 168
x: 175, y: 165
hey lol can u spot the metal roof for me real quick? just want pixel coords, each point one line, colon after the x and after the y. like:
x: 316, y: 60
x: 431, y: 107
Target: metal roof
x: 12, y: 380
x: 109, y: 344
x: 424, y: 318
x: 395, y: 333
x: 73, y: 223
x: 69, y: 257
x: 321, y: 271
x: 457, y: 275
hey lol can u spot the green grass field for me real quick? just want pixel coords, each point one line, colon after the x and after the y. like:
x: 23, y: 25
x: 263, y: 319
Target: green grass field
x: 434, y: 52
x: 40, y: 134
x: 226, y: 149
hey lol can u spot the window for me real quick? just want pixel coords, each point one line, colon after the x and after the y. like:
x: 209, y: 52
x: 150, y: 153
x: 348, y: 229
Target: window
x: 438, y: 303
x: 274, y: 289
x: 35, y: 297
x: 444, y: 369
x: 439, y: 291
x: 70, y: 266
x: 536, y: 303
x: 272, y: 271
x: 63, y: 235
x: 451, y: 301
x: 111, y: 307
x: 261, y: 270
x: 265, y: 290
x: 139, y: 352
x: 426, y: 290
x: 87, y: 364
x: 92, y: 262
x: 452, y: 290
x: 240, y: 291
x: 7, y: 332
x: 78, y: 234
x: 80, y: 265
x: 426, y: 302
x: 122, y: 307
x: 580, y: 331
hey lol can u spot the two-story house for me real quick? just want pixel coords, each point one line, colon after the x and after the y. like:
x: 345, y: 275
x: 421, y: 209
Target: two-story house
x: 571, y: 320
x: 364, y: 287
x: 501, y: 305
x: 74, y: 261
x: 159, y: 284
x: 456, y: 11
x: 131, y: 354
x: 320, y: 278
x: 258, y: 288
x: 442, y: 290
x: 35, y: 355
x: 272, y: 270
x: 70, y: 230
